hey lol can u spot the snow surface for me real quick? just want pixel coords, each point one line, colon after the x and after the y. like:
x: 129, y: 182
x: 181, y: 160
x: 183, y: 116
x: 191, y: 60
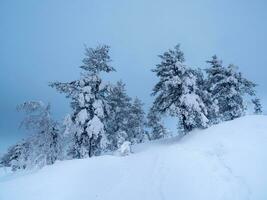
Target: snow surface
x: 225, y: 162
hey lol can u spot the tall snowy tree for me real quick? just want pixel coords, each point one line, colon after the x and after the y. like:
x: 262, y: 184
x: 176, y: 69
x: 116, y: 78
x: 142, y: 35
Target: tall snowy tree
x: 119, y: 105
x: 89, y: 103
x: 228, y: 88
x: 176, y: 91
x: 257, y: 106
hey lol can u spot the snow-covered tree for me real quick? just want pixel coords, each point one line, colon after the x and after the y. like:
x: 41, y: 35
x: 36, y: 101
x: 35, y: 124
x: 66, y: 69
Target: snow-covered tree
x: 44, y: 143
x: 176, y: 91
x: 203, y: 91
x: 119, y: 106
x: 155, y: 123
x: 126, y: 119
x: 136, y: 122
x: 17, y: 156
x: 228, y: 88
x: 215, y: 73
x: 88, y: 100
x: 67, y: 131
x: 42, y: 147
x: 257, y: 106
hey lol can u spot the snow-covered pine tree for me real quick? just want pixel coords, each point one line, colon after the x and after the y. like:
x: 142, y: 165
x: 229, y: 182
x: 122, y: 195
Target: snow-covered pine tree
x: 119, y: 106
x: 42, y: 147
x: 176, y: 91
x: 233, y: 105
x: 67, y: 131
x: 17, y: 156
x: 89, y: 103
x: 215, y: 73
x: 257, y: 106
x: 155, y: 123
x: 126, y: 119
x: 136, y: 122
x: 228, y: 88
x: 203, y: 91
x: 44, y: 143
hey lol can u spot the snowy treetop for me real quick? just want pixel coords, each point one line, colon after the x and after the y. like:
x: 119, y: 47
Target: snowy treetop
x: 97, y: 59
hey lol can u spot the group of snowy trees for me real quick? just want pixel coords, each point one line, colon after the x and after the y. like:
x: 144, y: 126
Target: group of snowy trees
x: 197, y: 99
x: 104, y: 117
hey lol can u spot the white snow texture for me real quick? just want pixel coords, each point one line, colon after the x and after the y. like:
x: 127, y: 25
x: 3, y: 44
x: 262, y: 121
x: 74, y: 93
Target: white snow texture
x: 225, y: 162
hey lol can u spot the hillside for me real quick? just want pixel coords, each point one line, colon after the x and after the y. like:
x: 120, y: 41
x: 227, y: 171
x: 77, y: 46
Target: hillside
x: 225, y: 162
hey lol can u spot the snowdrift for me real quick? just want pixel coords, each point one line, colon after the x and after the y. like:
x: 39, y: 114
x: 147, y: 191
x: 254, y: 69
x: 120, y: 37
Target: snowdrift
x: 225, y: 162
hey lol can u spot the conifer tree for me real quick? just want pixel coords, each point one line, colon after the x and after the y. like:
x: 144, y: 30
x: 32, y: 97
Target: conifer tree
x: 257, y: 106
x: 228, y: 88
x: 42, y: 147
x: 155, y: 123
x: 203, y: 91
x: 119, y: 105
x: 176, y: 91
x: 44, y: 143
x: 136, y: 122
x: 16, y: 157
x: 89, y: 103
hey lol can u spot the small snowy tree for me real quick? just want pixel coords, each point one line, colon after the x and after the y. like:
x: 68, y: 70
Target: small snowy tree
x: 42, y: 147
x: 89, y: 103
x: 67, y: 131
x: 176, y: 91
x: 257, y: 106
x: 17, y: 156
x: 125, y: 149
x: 157, y: 128
x: 44, y: 143
x: 126, y: 119
x: 136, y: 122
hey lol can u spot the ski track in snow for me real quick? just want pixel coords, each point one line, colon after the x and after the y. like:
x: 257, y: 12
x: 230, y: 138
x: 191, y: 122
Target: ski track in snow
x: 158, y: 172
x: 219, y: 154
x: 223, y: 173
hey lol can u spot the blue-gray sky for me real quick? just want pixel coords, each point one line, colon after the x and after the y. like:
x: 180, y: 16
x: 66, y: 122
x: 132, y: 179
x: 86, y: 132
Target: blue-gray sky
x: 42, y: 41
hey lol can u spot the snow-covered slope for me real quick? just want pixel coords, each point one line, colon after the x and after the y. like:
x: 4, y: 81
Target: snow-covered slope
x: 226, y: 161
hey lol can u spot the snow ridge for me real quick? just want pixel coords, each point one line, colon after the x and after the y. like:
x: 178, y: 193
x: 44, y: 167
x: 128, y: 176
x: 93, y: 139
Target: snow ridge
x: 225, y: 162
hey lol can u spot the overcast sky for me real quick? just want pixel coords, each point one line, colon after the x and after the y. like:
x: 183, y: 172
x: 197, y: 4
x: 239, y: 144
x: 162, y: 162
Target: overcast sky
x: 43, y: 41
